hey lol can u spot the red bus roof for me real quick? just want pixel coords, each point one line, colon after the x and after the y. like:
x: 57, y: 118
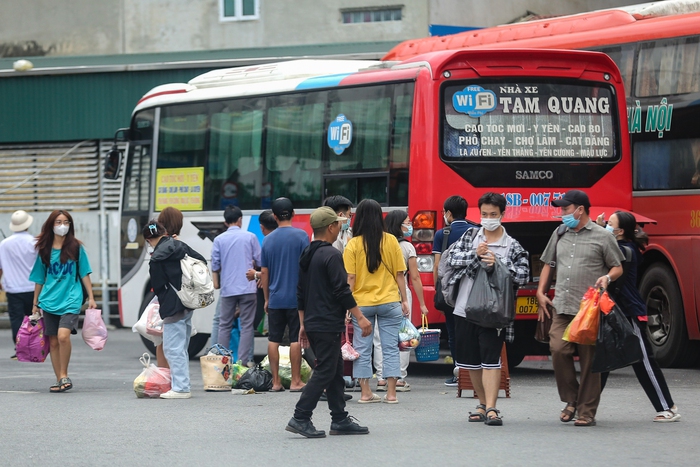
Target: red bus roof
x: 568, y: 32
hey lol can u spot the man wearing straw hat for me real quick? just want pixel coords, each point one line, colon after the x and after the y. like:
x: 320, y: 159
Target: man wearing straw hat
x: 17, y: 257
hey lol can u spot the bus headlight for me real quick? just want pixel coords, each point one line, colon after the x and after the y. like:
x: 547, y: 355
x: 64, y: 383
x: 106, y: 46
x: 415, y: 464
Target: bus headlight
x: 425, y: 263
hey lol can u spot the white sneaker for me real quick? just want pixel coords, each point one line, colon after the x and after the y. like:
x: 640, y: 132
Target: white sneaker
x: 175, y: 395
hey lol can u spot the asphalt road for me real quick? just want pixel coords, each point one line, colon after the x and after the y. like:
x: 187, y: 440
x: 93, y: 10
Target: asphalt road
x: 101, y: 422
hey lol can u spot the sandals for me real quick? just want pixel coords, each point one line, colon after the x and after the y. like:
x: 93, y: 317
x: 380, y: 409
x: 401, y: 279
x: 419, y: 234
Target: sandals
x: 373, y: 400
x: 62, y: 385
x: 478, y: 416
x: 670, y: 415
x: 389, y: 401
x: 66, y: 384
x: 569, y: 414
x: 585, y: 421
x: 495, y: 420
x: 381, y: 385
x: 401, y: 385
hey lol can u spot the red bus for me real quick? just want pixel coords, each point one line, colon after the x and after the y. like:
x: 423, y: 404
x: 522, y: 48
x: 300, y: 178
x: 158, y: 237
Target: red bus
x: 529, y: 124
x: 657, y: 48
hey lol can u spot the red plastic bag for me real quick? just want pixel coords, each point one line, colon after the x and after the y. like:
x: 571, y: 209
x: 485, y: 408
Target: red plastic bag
x: 583, y: 329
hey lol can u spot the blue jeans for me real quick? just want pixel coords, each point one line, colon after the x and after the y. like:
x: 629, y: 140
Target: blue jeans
x: 388, y: 318
x: 176, y: 340
x: 214, y: 338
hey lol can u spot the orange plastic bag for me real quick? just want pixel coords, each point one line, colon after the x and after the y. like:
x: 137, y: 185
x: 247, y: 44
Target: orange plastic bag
x: 583, y: 329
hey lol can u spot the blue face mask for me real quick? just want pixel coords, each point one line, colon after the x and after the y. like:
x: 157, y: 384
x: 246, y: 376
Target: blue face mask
x: 345, y: 226
x: 610, y: 229
x: 570, y: 221
x: 409, y: 232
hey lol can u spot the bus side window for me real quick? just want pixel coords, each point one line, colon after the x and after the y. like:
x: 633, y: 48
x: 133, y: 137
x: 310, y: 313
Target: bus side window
x: 668, y: 67
x: 665, y: 165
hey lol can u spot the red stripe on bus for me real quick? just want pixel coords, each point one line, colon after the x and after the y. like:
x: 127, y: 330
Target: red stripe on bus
x: 145, y: 98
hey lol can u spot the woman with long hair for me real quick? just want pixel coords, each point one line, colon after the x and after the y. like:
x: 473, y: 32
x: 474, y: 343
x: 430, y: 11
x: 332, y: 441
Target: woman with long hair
x: 399, y: 225
x: 61, y: 265
x: 172, y: 219
x: 375, y: 267
x: 623, y: 225
x: 166, y: 279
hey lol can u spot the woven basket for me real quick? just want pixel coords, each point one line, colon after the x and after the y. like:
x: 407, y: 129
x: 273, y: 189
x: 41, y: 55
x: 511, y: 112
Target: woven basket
x: 429, y: 348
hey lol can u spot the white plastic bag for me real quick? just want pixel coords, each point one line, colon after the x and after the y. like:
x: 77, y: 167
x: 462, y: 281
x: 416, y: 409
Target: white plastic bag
x: 141, y: 325
x: 94, y: 329
x: 153, y: 381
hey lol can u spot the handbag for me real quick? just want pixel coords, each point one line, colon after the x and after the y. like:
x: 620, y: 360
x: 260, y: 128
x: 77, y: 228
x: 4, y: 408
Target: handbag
x: 94, y: 329
x: 491, y: 302
x: 31, y: 344
x: 216, y: 369
x: 617, y: 345
x: 439, y: 298
x: 347, y: 351
x: 542, y: 327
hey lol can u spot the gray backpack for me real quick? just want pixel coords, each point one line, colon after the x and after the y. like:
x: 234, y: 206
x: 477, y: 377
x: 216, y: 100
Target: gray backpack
x: 447, y: 272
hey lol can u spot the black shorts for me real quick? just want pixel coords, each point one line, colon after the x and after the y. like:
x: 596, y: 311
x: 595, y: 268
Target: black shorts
x: 53, y: 322
x: 477, y: 347
x: 278, y: 319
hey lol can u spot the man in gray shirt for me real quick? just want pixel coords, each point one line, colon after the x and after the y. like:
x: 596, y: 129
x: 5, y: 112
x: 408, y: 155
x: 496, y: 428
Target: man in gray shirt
x: 586, y: 255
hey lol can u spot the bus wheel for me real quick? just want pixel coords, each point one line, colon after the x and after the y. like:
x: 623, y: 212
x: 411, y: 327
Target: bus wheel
x: 666, y: 328
x: 197, y: 342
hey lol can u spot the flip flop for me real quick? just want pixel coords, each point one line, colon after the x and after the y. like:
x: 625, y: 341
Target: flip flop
x: 387, y: 401
x: 296, y: 390
x: 375, y: 398
x: 277, y: 390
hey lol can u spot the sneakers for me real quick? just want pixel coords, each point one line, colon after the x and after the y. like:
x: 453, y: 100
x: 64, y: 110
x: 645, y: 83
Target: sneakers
x: 348, y: 427
x: 305, y: 428
x: 175, y: 395
x: 452, y: 381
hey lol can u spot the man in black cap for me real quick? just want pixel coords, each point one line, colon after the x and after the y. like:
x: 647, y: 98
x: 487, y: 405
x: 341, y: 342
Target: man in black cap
x: 323, y: 297
x: 584, y: 255
x: 279, y: 275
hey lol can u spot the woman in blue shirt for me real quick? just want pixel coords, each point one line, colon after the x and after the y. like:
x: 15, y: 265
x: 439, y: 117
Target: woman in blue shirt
x: 60, y: 266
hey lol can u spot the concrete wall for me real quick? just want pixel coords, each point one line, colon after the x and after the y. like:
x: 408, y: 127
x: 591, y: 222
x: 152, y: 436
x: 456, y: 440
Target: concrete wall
x: 105, y: 27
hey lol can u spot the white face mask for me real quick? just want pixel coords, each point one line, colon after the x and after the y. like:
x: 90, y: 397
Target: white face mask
x: 61, y: 230
x: 490, y: 224
x: 444, y: 216
x: 149, y: 248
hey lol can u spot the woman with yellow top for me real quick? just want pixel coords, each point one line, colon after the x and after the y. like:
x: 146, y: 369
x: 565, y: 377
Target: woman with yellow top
x: 375, y: 267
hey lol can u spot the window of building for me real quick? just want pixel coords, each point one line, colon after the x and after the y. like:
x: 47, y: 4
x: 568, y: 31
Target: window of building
x: 239, y: 10
x: 371, y: 15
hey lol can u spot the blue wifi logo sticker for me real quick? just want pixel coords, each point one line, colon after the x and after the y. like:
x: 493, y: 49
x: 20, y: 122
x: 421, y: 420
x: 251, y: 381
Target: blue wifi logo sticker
x: 474, y: 101
x: 340, y: 134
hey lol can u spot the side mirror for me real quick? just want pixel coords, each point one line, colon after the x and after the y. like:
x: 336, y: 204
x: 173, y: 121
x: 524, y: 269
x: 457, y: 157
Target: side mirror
x: 113, y: 163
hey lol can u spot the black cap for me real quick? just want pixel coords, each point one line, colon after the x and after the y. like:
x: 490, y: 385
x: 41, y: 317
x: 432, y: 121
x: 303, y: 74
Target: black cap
x: 577, y: 197
x: 282, y: 207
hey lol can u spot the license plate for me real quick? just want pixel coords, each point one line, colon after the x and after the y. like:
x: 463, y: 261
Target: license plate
x: 526, y: 306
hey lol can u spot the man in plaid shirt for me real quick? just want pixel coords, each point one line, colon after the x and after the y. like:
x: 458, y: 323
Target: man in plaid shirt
x: 478, y: 349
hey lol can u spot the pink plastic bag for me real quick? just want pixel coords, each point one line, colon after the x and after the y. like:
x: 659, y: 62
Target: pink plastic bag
x: 154, y: 323
x: 347, y: 351
x: 94, y: 329
x: 32, y: 344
